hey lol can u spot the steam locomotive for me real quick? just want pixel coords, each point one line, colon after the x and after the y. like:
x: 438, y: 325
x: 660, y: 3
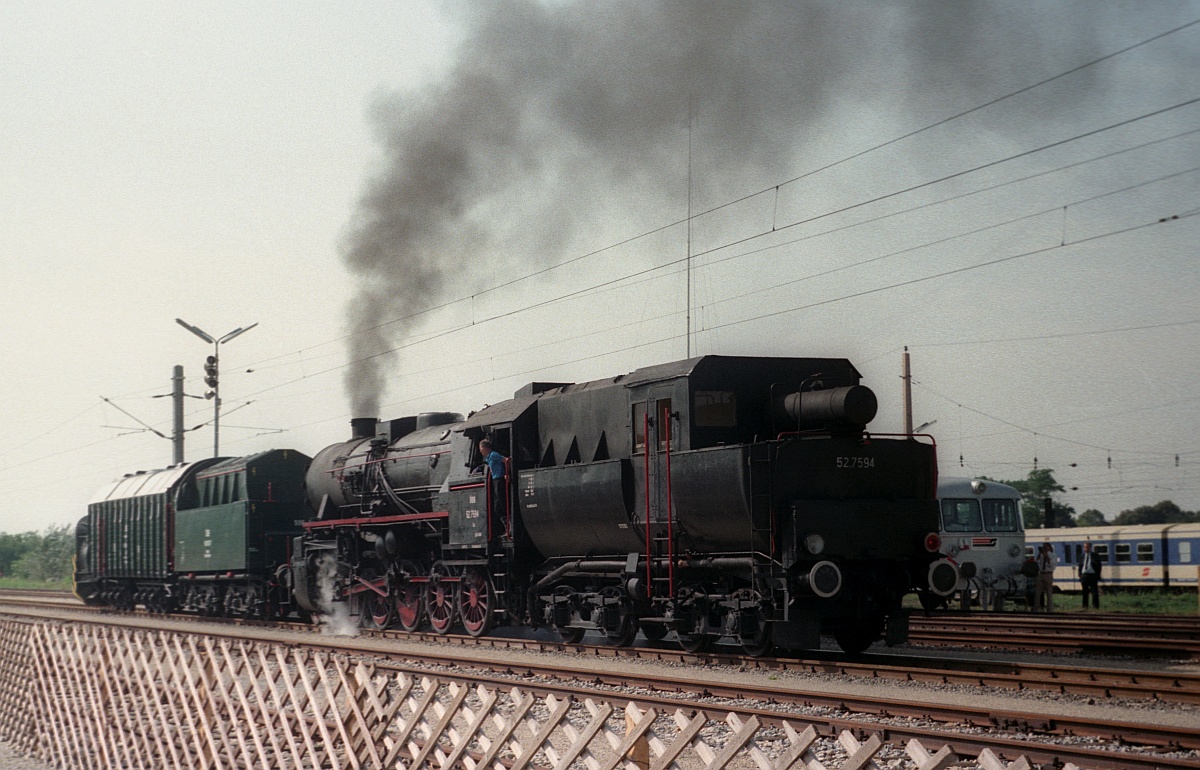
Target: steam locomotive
x: 716, y: 497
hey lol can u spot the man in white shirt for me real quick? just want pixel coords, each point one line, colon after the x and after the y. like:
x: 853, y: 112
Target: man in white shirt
x: 1043, y: 595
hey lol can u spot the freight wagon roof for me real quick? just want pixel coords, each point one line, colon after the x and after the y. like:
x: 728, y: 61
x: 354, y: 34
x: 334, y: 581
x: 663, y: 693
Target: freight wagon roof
x: 234, y: 464
x: 143, y: 483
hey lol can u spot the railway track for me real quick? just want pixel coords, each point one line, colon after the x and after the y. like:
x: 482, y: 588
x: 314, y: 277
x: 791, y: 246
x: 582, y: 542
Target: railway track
x: 966, y: 728
x: 1161, y: 635
x: 1059, y: 677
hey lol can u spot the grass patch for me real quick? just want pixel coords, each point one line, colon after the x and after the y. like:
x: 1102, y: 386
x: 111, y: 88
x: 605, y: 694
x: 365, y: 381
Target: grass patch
x: 1128, y: 602
x: 1148, y: 603
x: 54, y: 585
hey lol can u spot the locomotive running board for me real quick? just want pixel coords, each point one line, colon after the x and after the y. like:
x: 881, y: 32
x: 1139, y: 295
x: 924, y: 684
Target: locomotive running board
x: 359, y: 523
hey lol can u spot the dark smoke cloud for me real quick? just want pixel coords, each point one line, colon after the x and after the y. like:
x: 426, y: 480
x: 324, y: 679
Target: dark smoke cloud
x: 553, y: 112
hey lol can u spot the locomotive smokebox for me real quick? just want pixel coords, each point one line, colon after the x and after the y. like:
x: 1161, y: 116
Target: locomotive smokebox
x: 854, y: 404
x: 362, y: 427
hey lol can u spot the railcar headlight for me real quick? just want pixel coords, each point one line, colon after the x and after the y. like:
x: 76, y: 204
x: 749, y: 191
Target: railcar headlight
x: 932, y: 542
x: 815, y: 544
x: 1014, y: 550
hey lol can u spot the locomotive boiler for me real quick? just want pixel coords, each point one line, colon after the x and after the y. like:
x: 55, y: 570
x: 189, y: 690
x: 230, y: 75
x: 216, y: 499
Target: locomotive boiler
x: 716, y: 497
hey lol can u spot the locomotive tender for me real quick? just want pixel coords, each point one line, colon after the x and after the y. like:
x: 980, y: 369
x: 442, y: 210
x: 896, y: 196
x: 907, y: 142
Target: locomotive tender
x: 714, y: 497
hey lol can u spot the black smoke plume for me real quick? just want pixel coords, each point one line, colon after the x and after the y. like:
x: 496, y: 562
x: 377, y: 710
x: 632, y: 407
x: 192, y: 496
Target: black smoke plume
x: 557, y: 115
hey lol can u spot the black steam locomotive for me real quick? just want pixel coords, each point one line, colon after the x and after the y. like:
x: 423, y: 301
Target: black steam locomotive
x: 714, y: 497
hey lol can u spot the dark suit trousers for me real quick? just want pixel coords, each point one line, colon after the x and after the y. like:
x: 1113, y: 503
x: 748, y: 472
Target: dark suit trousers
x: 1091, y: 585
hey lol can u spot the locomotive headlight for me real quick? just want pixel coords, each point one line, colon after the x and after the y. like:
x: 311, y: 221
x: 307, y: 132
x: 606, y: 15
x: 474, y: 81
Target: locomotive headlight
x: 1014, y: 550
x: 815, y: 544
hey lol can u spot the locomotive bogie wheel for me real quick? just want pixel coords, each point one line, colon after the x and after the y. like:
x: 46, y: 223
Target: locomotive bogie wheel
x: 476, y: 601
x: 409, y: 599
x: 571, y: 635
x: 439, y: 599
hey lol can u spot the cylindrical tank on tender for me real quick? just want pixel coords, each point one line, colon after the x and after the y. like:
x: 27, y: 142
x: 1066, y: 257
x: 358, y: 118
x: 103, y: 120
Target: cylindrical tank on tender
x: 854, y: 404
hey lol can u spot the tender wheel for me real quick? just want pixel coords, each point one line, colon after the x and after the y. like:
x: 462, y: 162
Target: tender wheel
x: 439, y: 599
x: 857, y: 635
x: 410, y: 607
x: 626, y: 628
x: 476, y: 601
x: 564, y: 609
x: 931, y: 601
x: 255, y: 603
x: 695, y: 642
x: 654, y: 632
x: 693, y: 606
x: 756, y: 639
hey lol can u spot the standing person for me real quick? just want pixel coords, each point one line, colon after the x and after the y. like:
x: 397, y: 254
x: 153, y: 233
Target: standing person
x: 1089, y: 576
x: 496, y: 470
x: 1044, y: 592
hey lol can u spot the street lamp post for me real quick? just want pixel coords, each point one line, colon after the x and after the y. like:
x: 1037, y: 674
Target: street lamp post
x: 210, y: 371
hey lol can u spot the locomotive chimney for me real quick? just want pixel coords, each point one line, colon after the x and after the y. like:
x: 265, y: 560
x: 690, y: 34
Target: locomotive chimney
x: 362, y: 427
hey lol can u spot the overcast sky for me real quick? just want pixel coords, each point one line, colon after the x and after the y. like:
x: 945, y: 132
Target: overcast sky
x: 424, y: 206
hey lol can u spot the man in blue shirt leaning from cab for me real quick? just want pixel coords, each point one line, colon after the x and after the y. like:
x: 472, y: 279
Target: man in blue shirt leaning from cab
x: 496, y: 466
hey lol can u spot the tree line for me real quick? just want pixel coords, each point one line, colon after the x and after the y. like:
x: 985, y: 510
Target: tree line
x: 1040, y: 485
x: 40, y: 557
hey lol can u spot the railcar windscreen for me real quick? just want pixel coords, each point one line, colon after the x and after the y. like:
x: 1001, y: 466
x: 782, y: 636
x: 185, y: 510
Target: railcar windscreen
x: 961, y: 516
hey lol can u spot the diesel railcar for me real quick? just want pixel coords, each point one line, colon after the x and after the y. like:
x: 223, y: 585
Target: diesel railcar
x: 983, y: 531
x: 731, y: 497
x: 210, y: 537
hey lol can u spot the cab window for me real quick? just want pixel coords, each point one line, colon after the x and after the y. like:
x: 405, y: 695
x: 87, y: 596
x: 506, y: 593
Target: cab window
x: 639, y: 427
x: 960, y: 516
x: 715, y: 409
x: 1001, y: 516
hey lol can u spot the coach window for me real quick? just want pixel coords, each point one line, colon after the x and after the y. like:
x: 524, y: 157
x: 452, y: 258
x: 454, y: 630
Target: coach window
x: 1185, y: 551
x: 1100, y: 552
x: 1145, y: 552
x: 1123, y: 553
x: 960, y: 516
